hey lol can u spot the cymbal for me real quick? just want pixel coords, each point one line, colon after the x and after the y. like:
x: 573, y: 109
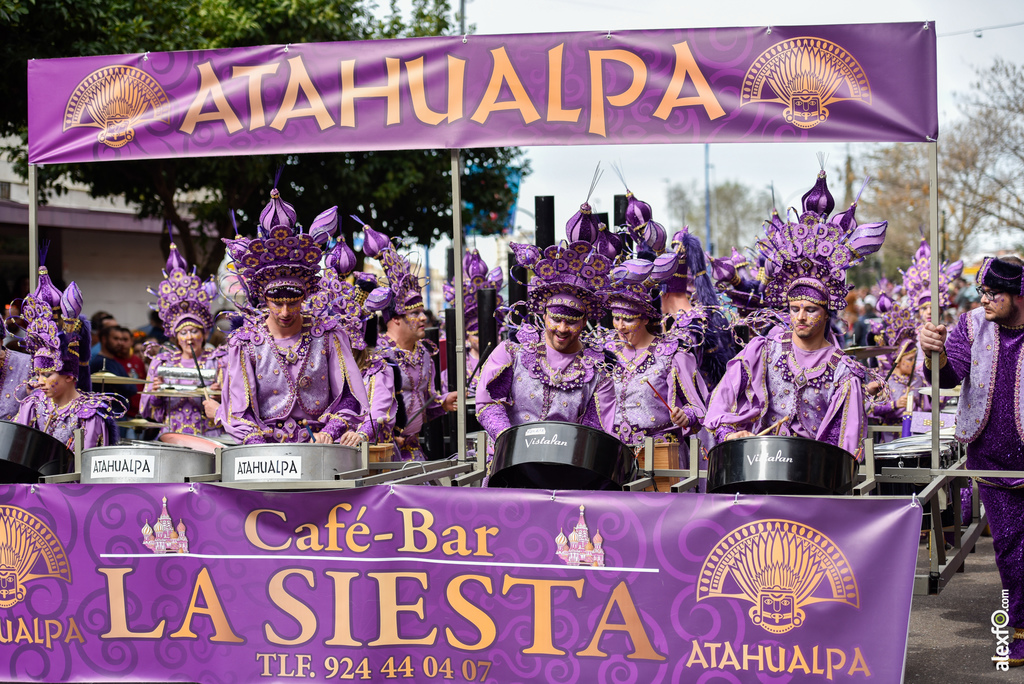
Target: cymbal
x: 179, y: 393
x: 108, y: 378
x: 139, y: 423
x: 927, y: 391
x: 868, y: 352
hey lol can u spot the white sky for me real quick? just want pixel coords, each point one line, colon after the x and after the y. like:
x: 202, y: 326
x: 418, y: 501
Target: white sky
x: 565, y: 172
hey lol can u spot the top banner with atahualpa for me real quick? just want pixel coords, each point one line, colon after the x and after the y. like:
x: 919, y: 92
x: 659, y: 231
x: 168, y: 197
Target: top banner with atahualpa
x: 207, y: 584
x: 854, y: 82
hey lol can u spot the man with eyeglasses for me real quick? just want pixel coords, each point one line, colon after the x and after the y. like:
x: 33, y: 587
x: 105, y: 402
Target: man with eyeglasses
x: 984, y: 353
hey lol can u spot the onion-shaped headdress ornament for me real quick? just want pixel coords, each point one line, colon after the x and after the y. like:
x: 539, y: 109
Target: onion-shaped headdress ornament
x: 183, y: 298
x: 896, y: 327
x: 807, y: 259
x: 740, y: 280
x: 917, y: 279
x: 475, y: 277
x: 352, y: 303
x: 404, y: 286
x: 281, y: 263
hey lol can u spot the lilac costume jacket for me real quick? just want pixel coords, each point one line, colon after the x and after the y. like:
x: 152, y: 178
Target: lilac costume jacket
x: 14, y: 372
x: 179, y: 414
x: 379, y: 382
x: 530, y: 381
x: 669, y: 366
x: 271, y: 386
x: 421, y: 400
x: 820, y: 392
x: 92, y: 412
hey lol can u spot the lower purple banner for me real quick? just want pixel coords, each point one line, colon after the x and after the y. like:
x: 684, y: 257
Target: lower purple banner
x: 207, y: 584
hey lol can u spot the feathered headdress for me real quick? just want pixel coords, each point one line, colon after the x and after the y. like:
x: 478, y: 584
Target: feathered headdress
x: 353, y: 303
x: 475, y: 277
x: 404, y: 286
x: 808, y: 258
x: 917, y: 279
x: 896, y: 327
x: 183, y: 298
x: 281, y: 257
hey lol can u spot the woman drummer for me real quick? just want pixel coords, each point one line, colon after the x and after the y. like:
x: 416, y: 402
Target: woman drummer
x: 184, y: 309
x: 896, y: 329
x: 659, y: 390
x: 55, y: 405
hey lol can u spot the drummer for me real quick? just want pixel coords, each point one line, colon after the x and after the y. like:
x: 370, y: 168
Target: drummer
x: 796, y: 379
x: 658, y: 390
x: 57, y: 406
x: 404, y: 346
x: 895, y: 328
x: 917, y: 282
x: 550, y: 374
x: 288, y: 377
x: 184, y: 310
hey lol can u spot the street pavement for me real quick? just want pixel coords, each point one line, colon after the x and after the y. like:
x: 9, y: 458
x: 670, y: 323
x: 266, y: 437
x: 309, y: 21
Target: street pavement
x: 950, y: 636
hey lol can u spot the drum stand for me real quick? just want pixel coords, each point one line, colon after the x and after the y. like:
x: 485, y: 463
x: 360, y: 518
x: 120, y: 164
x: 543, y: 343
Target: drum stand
x: 685, y: 478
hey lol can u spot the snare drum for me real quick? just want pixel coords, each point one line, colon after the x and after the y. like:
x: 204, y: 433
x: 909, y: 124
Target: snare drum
x: 287, y: 462
x: 144, y: 463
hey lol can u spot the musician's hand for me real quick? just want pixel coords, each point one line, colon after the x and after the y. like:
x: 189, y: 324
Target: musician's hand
x: 400, y: 441
x: 739, y: 435
x: 450, y: 401
x: 350, y: 439
x: 873, y: 388
x: 210, y: 407
x: 679, y: 417
x: 932, y: 338
x: 322, y: 438
x: 215, y: 387
x: 902, y: 401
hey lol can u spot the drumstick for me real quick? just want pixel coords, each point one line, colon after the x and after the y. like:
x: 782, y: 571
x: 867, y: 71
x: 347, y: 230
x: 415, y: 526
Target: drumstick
x: 896, y: 360
x: 768, y: 429
x: 199, y: 371
x: 659, y: 396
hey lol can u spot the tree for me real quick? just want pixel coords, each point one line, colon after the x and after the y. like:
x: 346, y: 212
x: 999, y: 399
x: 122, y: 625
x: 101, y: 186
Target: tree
x: 404, y: 192
x: 736, y: 213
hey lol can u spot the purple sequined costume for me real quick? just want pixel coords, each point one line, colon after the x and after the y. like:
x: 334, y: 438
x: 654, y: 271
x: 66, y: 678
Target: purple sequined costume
x: 14, y: 372
x: 271, y: 386
x: 379, y: 382
x: 530, y: 381
x: 819, y: 391
x: 668, y: 365
x: 987, y: 359
x: 92, y: 412
x: 179, y: 414
x: 417, y: 368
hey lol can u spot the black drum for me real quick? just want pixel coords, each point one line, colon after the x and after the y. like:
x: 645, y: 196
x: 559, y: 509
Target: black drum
x: 780, y: 465
x: 553, y: 455
x: 26, y: 454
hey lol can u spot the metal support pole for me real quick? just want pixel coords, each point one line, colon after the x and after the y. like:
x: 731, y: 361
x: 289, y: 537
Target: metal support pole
x: 33, y: 227
x: 707, y: 198
x: 460, y: 313
x: 933, y: 221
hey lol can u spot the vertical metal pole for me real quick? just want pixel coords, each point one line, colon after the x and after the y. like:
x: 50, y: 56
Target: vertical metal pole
x: 426, y: 267
x: 707, y: 198
x: 933, y: 221
x: 33, y: 227
x: 460, y: 313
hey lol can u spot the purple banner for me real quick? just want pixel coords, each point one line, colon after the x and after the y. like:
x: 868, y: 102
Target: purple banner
x: 209, y: 584
x: 870, y: 82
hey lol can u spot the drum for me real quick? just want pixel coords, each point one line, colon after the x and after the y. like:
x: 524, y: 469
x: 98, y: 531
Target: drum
x: 382, y: 453
x: 780, y: 465
x: 144, y: 463
x: 287, y: 462
x: 914, y: 451
x: 555, y: 455
x: 26, y: 454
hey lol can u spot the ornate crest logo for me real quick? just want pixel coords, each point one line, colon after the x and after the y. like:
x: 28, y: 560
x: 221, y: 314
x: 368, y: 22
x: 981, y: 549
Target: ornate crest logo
x: 807, y: 75
x: 165, y: 538
x: 779, y: 566
x: 578, y: 549
x: 116, y: 99
x: 29, y: 550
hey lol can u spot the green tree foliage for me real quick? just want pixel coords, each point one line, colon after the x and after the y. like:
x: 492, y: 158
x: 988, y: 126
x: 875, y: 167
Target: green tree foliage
x: 401, y: 192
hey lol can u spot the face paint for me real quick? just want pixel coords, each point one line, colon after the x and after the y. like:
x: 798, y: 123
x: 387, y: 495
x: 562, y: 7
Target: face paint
x: 562, y: 333
x: 807, y: 319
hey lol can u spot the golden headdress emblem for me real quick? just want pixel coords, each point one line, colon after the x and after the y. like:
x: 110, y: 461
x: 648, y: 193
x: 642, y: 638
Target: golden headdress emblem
x: 29, y: 550
x: 807, y: 75
x: 780, y: 566
x: 116, y: 99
